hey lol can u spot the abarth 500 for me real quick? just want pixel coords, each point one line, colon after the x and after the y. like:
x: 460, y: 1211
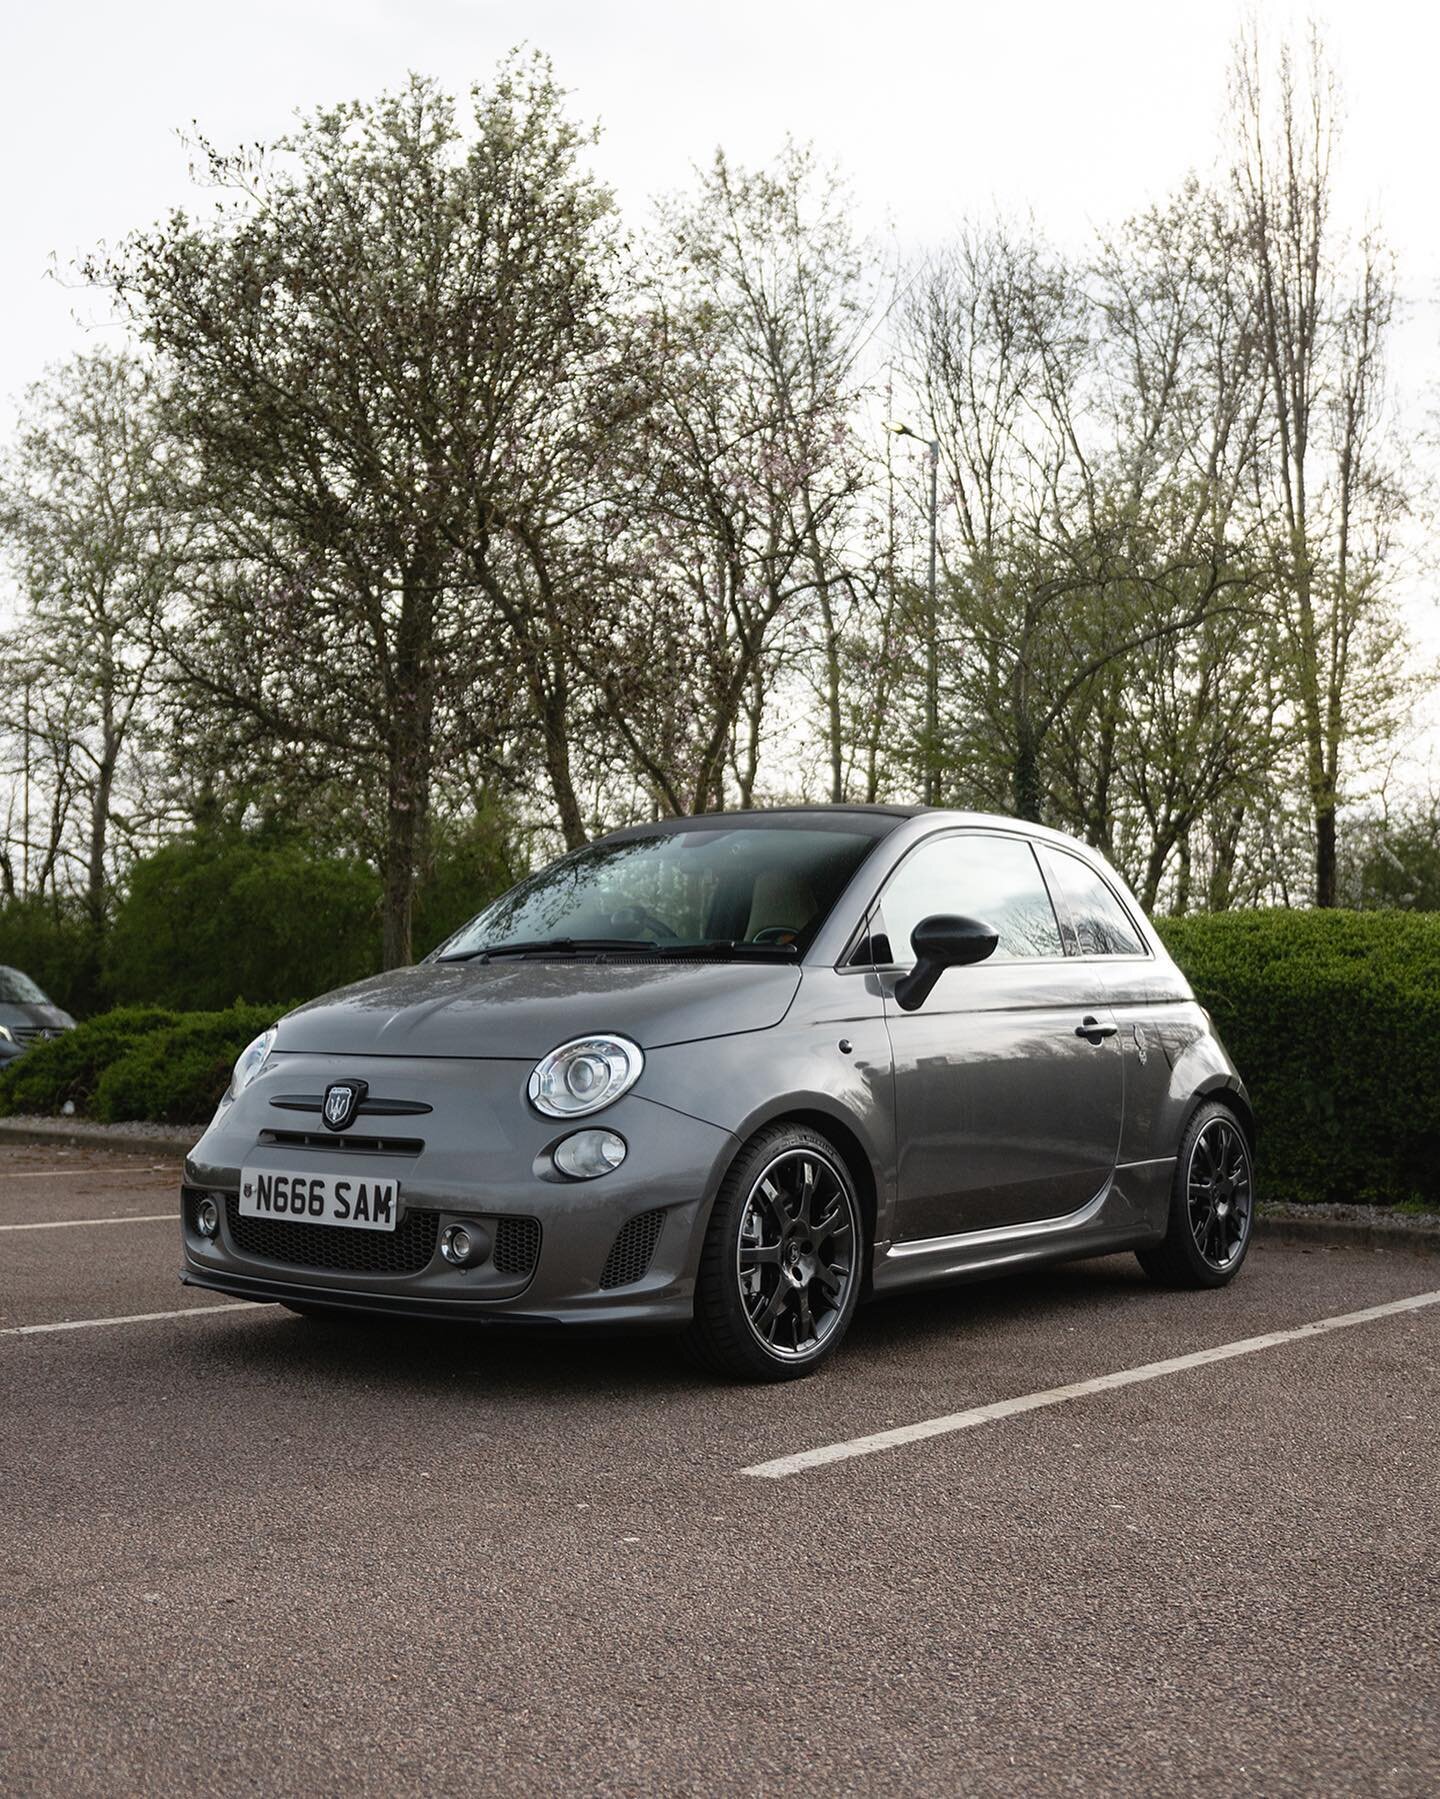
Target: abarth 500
x: 734, y: 1074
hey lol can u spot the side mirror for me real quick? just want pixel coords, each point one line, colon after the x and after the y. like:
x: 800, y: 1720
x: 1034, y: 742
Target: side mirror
x: 941, y: 942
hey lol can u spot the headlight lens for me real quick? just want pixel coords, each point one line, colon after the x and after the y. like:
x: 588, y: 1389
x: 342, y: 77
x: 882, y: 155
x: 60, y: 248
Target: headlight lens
x: 582, y: 1076
x: 252, y: 1060
x: 5, y: 1036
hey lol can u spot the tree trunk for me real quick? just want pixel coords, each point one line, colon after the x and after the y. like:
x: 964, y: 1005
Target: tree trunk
x: 1325, y: 854
x: 1027, y: 775
x: 557, y: 768
x: 411, y: 694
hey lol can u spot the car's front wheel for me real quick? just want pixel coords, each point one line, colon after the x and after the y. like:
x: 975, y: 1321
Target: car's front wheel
x: 1212, y: 1205
x: 781, y: 1268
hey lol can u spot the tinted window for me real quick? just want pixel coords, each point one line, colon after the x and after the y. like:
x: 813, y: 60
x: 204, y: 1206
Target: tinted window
x: 994, y: 879
x: 766, y: 886
x: 1102, y: 926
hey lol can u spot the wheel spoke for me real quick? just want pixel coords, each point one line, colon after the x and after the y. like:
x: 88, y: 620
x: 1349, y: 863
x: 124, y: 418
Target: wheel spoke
x: 777, y: 1203
x: 759, y: 1255
x: 832, y: 1280
x: 768, y: 1315
x: 805, y: 1318
x: 833, y: 1224
x: 805, y: 1198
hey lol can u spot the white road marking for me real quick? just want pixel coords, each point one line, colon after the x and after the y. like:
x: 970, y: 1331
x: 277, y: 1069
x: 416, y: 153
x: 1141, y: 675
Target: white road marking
x: 87, y: 1324
x: 71, y: 1224
x: 49, y: 1174
x: 1104, y: 1383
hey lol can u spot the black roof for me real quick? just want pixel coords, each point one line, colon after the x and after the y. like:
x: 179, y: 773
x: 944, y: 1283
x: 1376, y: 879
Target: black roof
x: 871, y: 819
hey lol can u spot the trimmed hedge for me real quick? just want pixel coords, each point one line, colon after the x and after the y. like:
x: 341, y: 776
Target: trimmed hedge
x: 1333, y: 1019
x: 177, y: 1076
x: 67, y: 1070
x: 136, y: 1063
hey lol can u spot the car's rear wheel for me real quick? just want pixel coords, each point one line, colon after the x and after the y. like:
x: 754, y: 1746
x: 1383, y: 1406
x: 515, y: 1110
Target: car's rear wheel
x: 784, y: 1254
x: 1212, y: 1205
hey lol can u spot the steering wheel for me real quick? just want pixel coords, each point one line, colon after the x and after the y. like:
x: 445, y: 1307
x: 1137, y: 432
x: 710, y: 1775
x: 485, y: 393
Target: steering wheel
x: 643, y: 918
x: 776, y: 933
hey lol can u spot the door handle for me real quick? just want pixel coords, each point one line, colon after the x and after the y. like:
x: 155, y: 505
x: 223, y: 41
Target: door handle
x: 1093, y: 1031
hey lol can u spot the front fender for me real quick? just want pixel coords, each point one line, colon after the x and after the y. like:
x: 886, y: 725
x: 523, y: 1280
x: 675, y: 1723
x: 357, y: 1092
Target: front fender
x: 797, y: 1069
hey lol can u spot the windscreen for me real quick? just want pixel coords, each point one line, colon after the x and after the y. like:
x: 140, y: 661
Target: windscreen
x: 18, y: 989
x: 762, y: 887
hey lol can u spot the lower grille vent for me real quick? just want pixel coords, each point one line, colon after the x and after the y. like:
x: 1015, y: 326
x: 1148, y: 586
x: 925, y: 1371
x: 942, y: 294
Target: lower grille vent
x: 517, y: 1245
x: 630, y: 1255
x: 405, y: 1250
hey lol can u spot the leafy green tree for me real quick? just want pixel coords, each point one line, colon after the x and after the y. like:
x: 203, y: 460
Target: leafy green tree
x: 386, y: 352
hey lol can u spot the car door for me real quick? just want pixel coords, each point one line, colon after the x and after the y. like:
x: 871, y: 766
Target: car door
x: 1008, y: 1080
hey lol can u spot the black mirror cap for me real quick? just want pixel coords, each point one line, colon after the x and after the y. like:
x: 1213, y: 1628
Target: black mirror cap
x: 944, y: 940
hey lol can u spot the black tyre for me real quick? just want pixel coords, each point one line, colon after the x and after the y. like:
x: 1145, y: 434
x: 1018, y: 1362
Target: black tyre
x: 1212, y: 1205
x: 783, y: 1259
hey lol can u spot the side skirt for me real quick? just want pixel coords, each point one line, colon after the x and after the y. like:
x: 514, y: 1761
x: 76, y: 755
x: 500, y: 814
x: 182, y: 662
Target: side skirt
x: 1128, y: 1212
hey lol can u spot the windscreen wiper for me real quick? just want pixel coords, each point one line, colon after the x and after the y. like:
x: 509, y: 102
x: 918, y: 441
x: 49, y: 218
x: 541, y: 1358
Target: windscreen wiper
x: 627, y: 946
x: 542, y: 945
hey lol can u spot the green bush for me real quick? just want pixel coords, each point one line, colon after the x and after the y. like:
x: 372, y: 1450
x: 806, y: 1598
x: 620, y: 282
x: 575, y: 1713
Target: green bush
x: 468, y: 868
x: 67, y: 1070
x: 1333, y: 1019
x: 224, y: 913
x: 177, y: 1075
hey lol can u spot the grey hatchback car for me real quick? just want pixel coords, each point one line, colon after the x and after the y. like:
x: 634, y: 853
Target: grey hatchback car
x: 734, y: 1074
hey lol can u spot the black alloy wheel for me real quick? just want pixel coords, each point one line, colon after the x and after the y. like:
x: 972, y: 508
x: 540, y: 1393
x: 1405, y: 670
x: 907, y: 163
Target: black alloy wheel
x: 1212, y: 1204
x: 781, y: 1268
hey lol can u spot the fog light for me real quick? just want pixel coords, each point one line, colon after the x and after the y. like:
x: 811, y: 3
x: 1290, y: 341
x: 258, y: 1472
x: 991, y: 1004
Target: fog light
x: 462, y: 1245
x: 589, y: 1153
x: 207, y: 1218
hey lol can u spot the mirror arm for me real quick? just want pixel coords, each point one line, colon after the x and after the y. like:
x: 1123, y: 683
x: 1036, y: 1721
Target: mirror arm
x: 913, y: 989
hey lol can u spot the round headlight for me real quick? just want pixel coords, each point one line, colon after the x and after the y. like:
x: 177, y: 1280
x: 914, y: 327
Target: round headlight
x: 584, y: 1075
x: 251, y: 1061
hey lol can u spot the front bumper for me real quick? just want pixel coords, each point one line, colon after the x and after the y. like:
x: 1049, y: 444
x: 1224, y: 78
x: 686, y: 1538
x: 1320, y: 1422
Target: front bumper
x: 480, y: 1154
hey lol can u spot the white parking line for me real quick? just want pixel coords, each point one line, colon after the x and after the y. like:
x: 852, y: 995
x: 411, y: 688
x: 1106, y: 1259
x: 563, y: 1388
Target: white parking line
x: 34, y: 1174
x: 1104, y: 1383
x: 71, y: 1224
x: 87, y: 1324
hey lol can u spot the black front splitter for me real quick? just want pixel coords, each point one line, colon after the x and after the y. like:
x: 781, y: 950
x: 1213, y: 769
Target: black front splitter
x: 273, y: 1292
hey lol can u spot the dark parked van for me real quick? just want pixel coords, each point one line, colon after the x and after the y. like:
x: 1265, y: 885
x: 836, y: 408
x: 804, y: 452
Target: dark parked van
x: 26, y: 1015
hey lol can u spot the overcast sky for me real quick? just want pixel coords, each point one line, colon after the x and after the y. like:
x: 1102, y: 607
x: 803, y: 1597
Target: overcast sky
x: 1077, y: 110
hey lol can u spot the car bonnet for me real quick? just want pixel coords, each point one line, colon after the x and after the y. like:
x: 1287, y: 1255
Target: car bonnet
x: 524, y: 1007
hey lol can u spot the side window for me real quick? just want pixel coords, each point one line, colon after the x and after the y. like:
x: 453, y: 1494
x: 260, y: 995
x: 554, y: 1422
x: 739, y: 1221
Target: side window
x: 1102, y: 927
x: 994, y: 879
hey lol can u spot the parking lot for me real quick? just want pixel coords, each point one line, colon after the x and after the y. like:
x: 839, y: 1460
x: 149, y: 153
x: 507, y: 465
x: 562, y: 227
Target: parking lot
x: 241, y: 1551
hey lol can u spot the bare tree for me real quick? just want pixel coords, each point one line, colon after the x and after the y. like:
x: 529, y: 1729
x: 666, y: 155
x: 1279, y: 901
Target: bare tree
x: 1325, y: 491
x: 96, y: 547
x: 747, y: 471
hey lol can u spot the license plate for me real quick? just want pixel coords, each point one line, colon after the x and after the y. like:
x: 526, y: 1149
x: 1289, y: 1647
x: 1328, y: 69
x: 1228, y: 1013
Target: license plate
x: 355, y: 1201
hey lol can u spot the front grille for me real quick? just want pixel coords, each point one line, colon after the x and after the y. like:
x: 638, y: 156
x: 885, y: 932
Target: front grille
x: 631, y: 1251
x: 405, y: 1250
x: 517, y: 1245
x: 367, y: 1146
x: 35, y: 1033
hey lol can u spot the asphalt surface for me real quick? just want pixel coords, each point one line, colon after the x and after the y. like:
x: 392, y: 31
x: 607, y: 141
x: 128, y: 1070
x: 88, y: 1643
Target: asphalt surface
x: 241, y: 1552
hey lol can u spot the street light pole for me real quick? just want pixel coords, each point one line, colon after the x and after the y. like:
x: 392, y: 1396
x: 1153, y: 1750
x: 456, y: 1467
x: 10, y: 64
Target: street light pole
x: 931, y: 783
